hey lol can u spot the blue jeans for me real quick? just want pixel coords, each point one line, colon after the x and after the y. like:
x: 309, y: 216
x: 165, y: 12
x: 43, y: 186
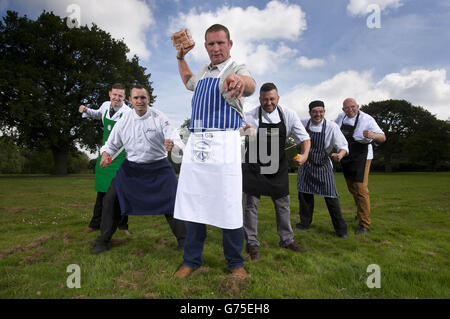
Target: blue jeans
x: 232, y: 239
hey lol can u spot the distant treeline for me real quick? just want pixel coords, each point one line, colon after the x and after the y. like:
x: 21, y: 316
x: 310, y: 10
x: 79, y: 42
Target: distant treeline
x: 20, y: 160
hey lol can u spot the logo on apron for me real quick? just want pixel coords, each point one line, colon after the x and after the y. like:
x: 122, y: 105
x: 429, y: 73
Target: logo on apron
x: 202, y: 146
x: 202, y: 151
x: 109, y: 127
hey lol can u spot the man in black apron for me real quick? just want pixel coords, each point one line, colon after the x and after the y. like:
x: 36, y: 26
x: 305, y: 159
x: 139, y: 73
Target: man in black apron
x: 270, y: 178
x: 360, y: 129
x: 316, y: 177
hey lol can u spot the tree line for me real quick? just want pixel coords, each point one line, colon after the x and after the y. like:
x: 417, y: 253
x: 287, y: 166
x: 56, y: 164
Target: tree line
x: 48, y: 69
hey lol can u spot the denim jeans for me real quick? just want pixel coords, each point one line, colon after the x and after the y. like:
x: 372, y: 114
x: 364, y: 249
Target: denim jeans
x: 232, y: 240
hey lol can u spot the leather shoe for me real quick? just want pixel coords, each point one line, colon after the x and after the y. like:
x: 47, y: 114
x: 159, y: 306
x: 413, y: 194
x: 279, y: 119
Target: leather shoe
x: 253, y: 252
x: 240, y: 272
x: 89, y: 230
x: 294, y: 247
x: 183, y: 272
x: 361, y: 230
x: 98, y: 248
x: 343, y: 236
x: 301, y: 226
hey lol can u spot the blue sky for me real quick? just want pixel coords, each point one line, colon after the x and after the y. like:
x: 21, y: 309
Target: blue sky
x: 311, y: 49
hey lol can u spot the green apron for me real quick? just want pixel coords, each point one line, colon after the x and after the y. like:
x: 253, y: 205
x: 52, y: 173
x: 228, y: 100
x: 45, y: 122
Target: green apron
x: 104, y: 176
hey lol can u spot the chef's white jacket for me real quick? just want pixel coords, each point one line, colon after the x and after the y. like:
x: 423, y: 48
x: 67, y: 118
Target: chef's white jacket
x: 294, y: 127
x: 143, y: 136
x: 365, y: 122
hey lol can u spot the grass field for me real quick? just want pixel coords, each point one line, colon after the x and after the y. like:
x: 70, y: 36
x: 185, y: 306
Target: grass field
x: 42, y: 219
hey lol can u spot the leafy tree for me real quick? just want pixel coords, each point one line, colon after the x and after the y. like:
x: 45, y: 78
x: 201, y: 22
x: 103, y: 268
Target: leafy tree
x: 47, y: 70
x: 11, y: 157
x: 415, y: 139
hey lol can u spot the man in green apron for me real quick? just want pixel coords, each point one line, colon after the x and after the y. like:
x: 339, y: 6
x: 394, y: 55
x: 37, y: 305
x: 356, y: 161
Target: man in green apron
x: 109, y: 112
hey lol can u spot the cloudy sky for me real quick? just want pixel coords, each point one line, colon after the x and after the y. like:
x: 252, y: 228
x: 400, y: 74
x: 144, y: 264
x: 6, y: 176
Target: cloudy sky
x: 311, y: 49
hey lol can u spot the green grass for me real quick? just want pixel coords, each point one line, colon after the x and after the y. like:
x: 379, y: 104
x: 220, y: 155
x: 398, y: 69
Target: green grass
x: 42, y: 219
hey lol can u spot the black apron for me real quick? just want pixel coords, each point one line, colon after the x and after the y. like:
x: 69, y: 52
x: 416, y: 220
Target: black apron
x: 354, y: 164
x: 316, y: 175
x: 275, y: 185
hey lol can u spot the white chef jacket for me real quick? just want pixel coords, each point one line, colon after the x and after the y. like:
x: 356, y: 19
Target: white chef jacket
x: 99, y: 113
x: 143, y: 136
x: 294, y: 127
x: 365, y: 122
x: 334, y: 139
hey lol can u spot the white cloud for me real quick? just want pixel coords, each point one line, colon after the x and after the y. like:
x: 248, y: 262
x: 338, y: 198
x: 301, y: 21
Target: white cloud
x: 333, y: 92
x: 128, y: 20
x: 429, y: 89
x: 359, y: 7
x: 256, y: 33
x: 307, y: 63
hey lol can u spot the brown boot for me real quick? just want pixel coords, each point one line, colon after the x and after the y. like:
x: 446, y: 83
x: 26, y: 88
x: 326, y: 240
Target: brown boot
x: 240, y: 272
x: 183, y: 272
x: 294, y: 247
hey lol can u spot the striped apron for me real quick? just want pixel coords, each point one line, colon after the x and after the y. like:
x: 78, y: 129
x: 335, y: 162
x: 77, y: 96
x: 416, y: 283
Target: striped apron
x: 316, y: 175
x: 210, y: 182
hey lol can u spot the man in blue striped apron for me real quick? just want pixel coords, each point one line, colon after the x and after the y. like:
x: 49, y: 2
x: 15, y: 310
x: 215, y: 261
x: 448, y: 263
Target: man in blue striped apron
x: 316, y: 177
x: 145, y: 183
x: 273, y: 124
x: 210, y: 182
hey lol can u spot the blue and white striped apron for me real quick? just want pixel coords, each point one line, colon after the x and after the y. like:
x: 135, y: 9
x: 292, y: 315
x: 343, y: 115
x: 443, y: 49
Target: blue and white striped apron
x: 210, y: 110
x: 210, y: 182
x: 316, y: 175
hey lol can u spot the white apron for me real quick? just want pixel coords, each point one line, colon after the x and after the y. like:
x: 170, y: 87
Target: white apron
x: 210, y: 182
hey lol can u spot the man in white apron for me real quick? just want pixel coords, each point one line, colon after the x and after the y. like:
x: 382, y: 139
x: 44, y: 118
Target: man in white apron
x: 273, y: 124
x: 360, y: 129
x: 210, y: 181
x: 316, y: 177
x: 145, y: 183
x: 109, y: 112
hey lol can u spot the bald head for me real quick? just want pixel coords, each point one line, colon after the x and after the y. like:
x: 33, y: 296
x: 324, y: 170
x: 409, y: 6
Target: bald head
x: 349, y: 100
x: 350, y: 107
